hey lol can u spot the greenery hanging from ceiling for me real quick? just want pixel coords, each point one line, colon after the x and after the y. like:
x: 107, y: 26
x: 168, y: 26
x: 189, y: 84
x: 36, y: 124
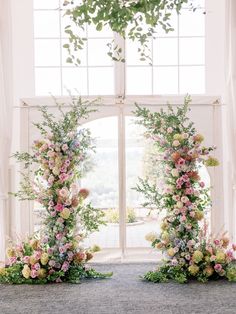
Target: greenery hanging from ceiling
x: 137, y: 20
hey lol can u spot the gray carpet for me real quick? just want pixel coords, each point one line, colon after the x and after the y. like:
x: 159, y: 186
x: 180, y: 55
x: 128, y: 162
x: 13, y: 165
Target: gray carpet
x: 123, y: 293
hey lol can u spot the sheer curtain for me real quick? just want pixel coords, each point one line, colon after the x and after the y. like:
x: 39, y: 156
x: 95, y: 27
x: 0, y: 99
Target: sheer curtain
x: 5, y: 121
x: 230, y: 99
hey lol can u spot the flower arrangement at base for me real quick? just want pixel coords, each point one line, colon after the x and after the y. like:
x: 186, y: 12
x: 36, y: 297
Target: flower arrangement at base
x: 182, y: 196
x: 51, y: 177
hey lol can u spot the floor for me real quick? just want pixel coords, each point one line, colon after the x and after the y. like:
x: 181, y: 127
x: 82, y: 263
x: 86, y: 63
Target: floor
x: 124, y: 293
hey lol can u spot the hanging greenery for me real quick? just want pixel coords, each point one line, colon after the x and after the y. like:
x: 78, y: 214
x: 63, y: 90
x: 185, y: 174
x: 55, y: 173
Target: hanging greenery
x: 131, y: 19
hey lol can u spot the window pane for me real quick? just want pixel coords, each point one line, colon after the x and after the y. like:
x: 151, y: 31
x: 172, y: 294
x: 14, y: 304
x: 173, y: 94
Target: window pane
x: 46, y: 24
x: 192, y: 51
x: 75, y: 79
x: 102, y: 180
x: 197, y: 4
x: 139, y: 80
x: 192, y: 80
x: 165, y: 80
x: 82, y: 55
x: 46, y: 4
x: 47, y: 52
x: 132, y: 54
x: 191, y: 23
x: 47, y: 81
x: 97, y: 52
x: 165, y: 51
x: 138, y: 222
x: 101, y: 81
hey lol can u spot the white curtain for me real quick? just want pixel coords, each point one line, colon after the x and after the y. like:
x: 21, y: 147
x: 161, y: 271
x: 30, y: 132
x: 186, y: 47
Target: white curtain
x: 230, y: 99
x: 5, y: 122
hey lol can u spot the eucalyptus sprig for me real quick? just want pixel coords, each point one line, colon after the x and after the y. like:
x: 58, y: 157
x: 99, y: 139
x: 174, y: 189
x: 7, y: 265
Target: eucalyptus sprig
x: 131, y: 19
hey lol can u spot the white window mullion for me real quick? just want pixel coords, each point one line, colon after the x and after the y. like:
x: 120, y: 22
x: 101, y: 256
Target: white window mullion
x: 119, y: 69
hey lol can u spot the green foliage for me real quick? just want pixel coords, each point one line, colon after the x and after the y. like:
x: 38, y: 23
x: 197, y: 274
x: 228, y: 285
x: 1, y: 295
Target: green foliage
x: 135, y: 20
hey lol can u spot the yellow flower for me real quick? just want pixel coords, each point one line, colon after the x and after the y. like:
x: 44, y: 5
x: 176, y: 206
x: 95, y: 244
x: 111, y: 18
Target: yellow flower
x: 193, y: 269
x: 159, y: 245
x: 220, y: 257
x: 32, y: 260
x: 26, y: 271
x: 197, y: 256
x: 178, y: 137
x: 208, y: 271
x: 65, y: 214
x: 179, y: 204
x: 10, y: 252
x: 42, y: 273
x: 44, y: 259
x: 34, y: 244
x: 211, y: 162
x: 3, y: 271
x: 171, y: 252
x: 56, y: 171
x: 164, y: 225
x: 199, y: 138
x: 165, y: 236
x: 151, y: 236
x: 199, y: 215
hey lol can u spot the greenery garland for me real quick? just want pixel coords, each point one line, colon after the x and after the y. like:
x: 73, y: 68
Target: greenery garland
x: 131, y: 19
x: 190, y: 252
x: 51, y: 177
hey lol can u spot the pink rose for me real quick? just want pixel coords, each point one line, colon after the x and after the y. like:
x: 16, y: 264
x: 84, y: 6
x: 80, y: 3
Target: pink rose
x: 52, y: 263
x: 62, y: 249
x: 202, y: 184
x: 37, y: 254
x: 63, y: 177
x: 180, y: 162
x: 59, y: 207
x: 50, y: 251
x: 12, y: 260
x: 65, y: 266
x: 218, y: 267
x: 33, y: 273
x: 59, y: 236
x: 64, y: 147
x: 183, y: 218
x: 36, y: 266
x: 217, y: 242
x: 26, y: 259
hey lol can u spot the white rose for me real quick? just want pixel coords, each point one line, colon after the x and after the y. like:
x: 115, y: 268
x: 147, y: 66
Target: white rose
x: 179, y: 204
x: 176, y: 143
x: 175, y: 172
